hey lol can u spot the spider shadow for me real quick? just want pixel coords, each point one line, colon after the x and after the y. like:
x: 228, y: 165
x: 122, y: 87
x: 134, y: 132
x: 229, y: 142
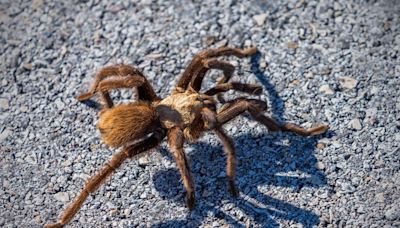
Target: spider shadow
x: 287, y: 165
x: 92, y: 104
x: 277, y: 104
x: 277, y: 162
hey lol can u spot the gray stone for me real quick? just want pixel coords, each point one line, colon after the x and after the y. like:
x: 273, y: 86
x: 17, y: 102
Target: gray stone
x: 393, y: 213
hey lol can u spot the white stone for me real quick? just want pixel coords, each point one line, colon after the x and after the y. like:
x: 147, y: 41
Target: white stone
x: 355, y: 124
x: 320, y: 166
x: 5, y: 134
x: 396, y: 137
x: 113, y: 211
x: 154, y: 56
x: 143, y: 195
x: 30, y: 160
x: 143, y: 161
x: 348, y: 82
x: 4, y: 103
x: 23, y: 108
x: 62, y: 196
x: 326, y: 89
x: 380, y: 197
x: 60, y: 105
x: 260, y: 18
x: 127, y: 211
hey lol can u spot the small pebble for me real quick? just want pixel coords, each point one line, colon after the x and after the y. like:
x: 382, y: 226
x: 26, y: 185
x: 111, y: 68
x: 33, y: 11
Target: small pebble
x: 113, y: 212
x: 127, y: 212
x: 260, y: 18
x: 320, y: 166
x: 210, y: 40
x: 27, y: 66
x: 326, y: 89
x: 393, y: 213
x: 62, y: 196
x: 36, y: 4
x: 38, y: 219
x: 24, y: 108
x: 355, y: 124
x: 397, y: 137
x: 143, y: 161
x: 348, y: 82
x: 3, y: 135
x: 380, y: 197
x: 293, y: 45
x: 154, y: 56
x: 4, y: 104
x: 320, y: 146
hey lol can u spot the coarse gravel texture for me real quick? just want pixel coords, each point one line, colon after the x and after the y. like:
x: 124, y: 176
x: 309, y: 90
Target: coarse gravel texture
x: 319, y: 62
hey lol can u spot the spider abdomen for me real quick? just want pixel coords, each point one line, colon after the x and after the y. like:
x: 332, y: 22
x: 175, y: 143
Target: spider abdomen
x: 126, y: 123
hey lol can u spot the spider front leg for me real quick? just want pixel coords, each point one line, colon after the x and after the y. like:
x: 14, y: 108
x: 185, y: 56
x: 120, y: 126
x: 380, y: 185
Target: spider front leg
x: 175, y: 142
x: 256, y: 108
x: 129, y: 74
x: 226, y: 67
x: 206, y: 60
x: 117, y: 83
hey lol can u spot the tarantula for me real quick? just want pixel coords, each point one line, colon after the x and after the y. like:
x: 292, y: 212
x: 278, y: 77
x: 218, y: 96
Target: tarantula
x: 184, y: 115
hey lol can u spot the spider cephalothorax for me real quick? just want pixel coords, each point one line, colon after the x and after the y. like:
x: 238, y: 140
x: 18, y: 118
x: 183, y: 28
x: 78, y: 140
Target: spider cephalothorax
x: 184, y: 115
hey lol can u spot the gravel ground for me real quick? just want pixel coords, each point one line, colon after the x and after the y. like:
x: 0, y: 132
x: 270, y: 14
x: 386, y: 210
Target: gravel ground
x: 319, y: 62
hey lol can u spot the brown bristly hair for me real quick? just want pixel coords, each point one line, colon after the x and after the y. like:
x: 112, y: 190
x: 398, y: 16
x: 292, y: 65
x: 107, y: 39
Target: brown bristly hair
x: 125, y: 123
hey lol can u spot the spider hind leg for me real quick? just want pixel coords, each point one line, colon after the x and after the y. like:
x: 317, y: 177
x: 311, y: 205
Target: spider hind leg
x: 256, y: 107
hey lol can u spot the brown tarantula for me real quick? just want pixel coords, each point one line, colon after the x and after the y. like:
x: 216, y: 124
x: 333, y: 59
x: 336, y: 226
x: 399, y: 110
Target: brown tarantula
x: 184, y: 115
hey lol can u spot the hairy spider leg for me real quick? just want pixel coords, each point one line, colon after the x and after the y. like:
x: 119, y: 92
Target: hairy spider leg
x: 252, y: 89
x: 231, y: 161
x: 256, y: 108
x: 175, y: 142
x: 119, y: 76
x: 205, y: 60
